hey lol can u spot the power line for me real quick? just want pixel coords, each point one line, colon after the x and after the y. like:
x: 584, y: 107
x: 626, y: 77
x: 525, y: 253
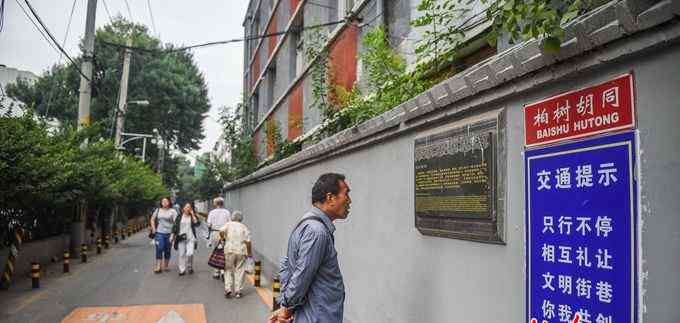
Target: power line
x: 107, y: 11
x: 36, y: 26
x: 37, y: 17
x: 235, y: 40
x: 2, y: 14
x: 371, y: 21
x: 321, y: 5
x: 129, y: 11
x: 153, y: 21
x: 63, y: 43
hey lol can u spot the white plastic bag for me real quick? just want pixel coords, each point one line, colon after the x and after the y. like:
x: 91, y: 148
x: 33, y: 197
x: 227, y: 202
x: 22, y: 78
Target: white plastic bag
x: 202, y: 230
x: 250, y: 265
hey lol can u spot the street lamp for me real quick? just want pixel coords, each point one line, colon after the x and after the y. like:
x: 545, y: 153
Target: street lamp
x: 120, y: 118
x: 139, y: 102
x: 120, y: 121
x: 132, y: 137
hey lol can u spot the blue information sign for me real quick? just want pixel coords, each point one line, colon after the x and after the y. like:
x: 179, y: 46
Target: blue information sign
x: 581, y: 206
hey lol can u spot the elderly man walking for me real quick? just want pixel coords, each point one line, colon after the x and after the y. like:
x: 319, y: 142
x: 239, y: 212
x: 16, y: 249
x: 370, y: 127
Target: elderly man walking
x: 311, y: 282
x: 217, y: 218
x: 236, y: 248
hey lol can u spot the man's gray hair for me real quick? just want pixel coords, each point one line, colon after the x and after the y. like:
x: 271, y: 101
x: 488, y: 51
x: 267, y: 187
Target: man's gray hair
x: 218, y: 201
x: 237, y: 216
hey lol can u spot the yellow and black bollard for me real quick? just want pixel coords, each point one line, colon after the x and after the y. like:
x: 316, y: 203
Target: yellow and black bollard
x: 67, y: 261
x: 10, y: 265
x: 122, y: 234
x: 276, y: 290
x: 106, y: 242
x: 258, y: 272
x: 115, y: 236
x: 99, y: 245
x: 83, y: 253
x: 35, y: 275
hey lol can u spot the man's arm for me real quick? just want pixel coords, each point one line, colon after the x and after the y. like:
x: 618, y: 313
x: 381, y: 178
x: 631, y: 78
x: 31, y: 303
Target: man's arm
x: 312, y: 250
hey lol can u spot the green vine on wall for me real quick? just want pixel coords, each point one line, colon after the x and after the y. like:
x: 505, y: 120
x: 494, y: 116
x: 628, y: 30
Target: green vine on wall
x: 389, y: 84
x: 315, y: 50
x: 449, y: 22
x: 282, y: 148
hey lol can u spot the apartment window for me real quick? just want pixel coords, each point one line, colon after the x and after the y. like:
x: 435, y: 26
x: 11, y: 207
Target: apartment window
x: 271, y: 83
x: 255, y: 117
x: 299, y: 54
x: 297, y: 49
x: 256, y: 24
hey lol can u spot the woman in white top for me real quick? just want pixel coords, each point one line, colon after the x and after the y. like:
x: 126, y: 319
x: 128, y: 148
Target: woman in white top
x: 184, y: 238
x: 236, y: 248
x: 162, y: 221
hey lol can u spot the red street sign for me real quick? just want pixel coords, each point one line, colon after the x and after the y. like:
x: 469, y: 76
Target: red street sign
x: 601, y: 108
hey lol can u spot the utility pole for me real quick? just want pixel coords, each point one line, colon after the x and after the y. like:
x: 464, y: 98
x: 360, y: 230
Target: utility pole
x: 120, y: 122
x: 161, y: 161
x: 122, y: 98
x: 78, y: 226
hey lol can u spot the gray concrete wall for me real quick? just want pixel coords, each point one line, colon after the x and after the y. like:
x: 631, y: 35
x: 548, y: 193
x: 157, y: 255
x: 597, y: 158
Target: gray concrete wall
x: 41, y: 251
x: 394, y: 274
x: 657, y: 82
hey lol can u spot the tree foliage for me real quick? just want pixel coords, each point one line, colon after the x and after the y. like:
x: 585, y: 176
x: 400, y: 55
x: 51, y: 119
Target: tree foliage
x: 43, y: 171
x: 203, y: 187
x: 171, y: 82
x: 239, y: 142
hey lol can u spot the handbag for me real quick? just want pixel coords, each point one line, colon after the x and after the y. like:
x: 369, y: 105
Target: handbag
x: 216, y: 259
x: 152, y: 235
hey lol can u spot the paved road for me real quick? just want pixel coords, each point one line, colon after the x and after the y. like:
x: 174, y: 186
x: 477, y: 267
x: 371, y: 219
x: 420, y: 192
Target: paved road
x: 123, y: 276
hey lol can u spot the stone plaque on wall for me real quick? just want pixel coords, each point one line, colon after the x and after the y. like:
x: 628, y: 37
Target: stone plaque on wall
x: 455, y: 182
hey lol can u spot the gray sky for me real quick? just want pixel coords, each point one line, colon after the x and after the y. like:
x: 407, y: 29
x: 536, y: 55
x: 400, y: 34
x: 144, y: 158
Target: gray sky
x: 179, y: 22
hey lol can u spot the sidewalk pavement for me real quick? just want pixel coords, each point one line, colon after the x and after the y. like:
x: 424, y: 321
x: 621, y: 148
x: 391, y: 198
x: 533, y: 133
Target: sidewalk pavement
x: 119, y: 286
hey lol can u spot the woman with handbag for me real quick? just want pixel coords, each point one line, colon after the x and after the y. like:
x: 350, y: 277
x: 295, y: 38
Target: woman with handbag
x: 237, y: 248
x: 184, y: 238
x: 162, y: 221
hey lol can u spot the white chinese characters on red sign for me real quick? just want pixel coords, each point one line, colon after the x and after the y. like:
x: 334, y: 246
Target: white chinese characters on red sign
x: 601, y: 108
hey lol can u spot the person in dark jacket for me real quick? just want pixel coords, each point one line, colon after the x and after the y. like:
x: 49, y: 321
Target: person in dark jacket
x: 184, y: 238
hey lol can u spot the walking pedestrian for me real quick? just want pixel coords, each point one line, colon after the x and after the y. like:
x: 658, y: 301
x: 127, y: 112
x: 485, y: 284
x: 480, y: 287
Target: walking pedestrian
x: 217, y: 218
x: 184, y: 238
x: 312, y: 289
x: 237, y: 247
x: 162, y: 220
